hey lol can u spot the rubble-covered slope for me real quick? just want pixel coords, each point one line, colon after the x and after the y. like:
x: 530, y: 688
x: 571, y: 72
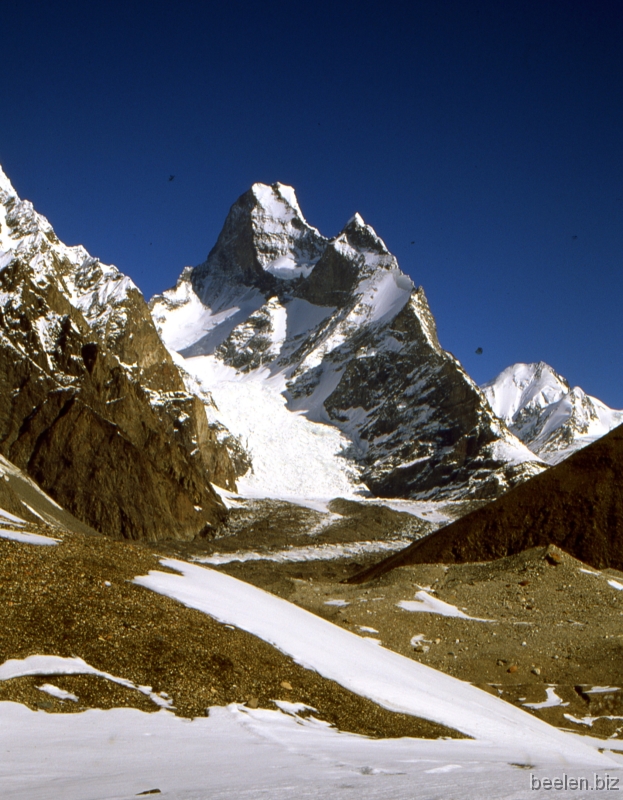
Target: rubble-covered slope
x: 354, y: 343
x: 551, y: 418
x: 91, y: 404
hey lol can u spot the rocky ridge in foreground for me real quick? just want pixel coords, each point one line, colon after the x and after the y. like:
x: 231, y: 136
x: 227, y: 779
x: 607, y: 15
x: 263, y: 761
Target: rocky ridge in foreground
x: 576, y: 505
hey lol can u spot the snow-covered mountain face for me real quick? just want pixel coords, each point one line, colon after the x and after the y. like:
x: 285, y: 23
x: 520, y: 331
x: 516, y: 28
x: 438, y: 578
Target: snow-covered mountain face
x: 551, y: 418
x: 91, y: 405
x: 336, y: 331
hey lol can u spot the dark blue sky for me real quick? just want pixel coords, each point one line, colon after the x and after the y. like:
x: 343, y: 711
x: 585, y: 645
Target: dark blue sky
x: 482, y: 140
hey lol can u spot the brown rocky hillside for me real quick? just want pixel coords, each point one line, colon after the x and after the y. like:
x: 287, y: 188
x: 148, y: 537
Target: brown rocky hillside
x: 92, y: 406
x: 576, y: 505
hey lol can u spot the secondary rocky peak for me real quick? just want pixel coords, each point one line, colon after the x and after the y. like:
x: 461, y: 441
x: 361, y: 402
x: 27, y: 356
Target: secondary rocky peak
x: 362, y: 237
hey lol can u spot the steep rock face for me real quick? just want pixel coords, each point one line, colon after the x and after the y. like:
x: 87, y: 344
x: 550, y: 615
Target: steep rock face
x: 551, y: 418
x: 354, y: 342
x: 91, y: 404
x: 577, y: 505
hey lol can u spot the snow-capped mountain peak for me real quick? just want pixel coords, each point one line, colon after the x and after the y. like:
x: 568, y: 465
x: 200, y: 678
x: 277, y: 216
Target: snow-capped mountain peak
x: 98, y: 290
x: 265, y: 237
x: 277, y: 200
x: 524, y: 386
x: 348, y: 340
x: 541, y: 409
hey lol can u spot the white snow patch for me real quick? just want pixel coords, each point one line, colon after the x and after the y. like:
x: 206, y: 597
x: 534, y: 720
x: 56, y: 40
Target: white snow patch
x: 185, y: 323
x: 230, y: 499
x: 432, y: 605
x: 552, y: 700
x: 292, y: 708
x: 12, y: 519
x: 59, y: 665
x: 512, y: 450
x: 615, y: 584
x: 33, y: 512
x: 426, y: 510
x: 61, y: 694
x: 27, y: 538
x: 340, y: 603
x: 304, y: 317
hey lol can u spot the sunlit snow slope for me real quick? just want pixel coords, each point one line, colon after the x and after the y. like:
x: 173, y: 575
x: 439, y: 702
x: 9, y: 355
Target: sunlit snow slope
x: 291, y: 456
x: 392, y: 680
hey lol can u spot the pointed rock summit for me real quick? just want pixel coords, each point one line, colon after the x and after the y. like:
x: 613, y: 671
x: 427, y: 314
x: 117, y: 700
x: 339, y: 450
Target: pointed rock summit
x: 362, y: 237
x: 353, y: 341
x: 264, y: 240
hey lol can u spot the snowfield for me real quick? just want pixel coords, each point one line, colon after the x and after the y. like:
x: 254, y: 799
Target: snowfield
x: 239, y: 752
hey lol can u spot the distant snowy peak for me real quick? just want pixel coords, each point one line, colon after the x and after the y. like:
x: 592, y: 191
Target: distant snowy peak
x: 523, y: 387
x: 541, y: 409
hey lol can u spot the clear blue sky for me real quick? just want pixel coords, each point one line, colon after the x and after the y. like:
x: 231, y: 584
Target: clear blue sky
x: 482, y: 140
